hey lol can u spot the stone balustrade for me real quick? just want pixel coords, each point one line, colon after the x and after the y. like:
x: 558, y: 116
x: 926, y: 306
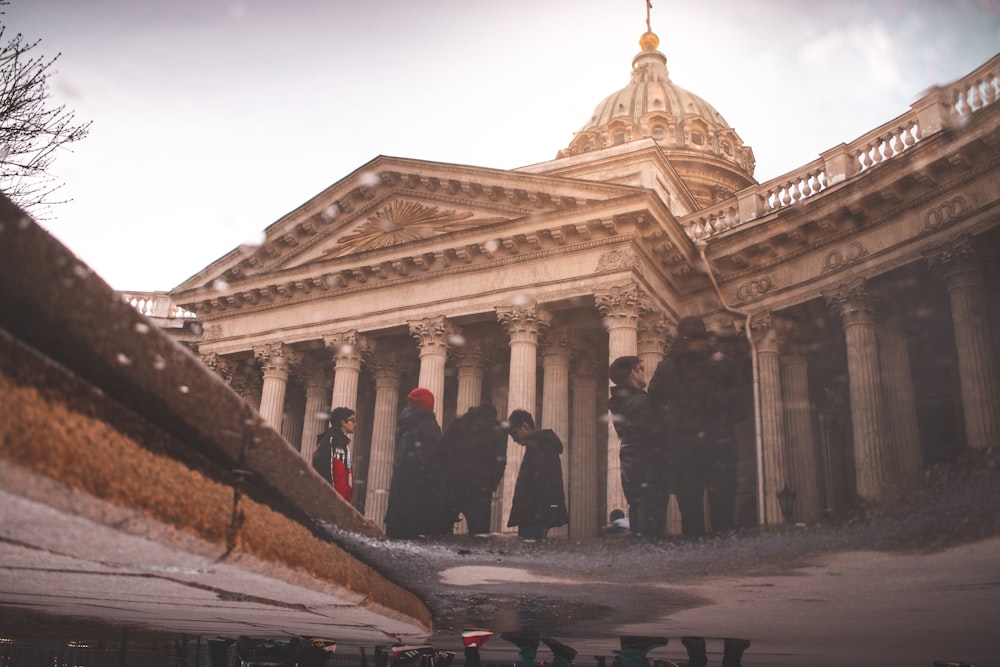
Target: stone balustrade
x: 975, y: 91
x: 156, y: 304
x: 940, y: 107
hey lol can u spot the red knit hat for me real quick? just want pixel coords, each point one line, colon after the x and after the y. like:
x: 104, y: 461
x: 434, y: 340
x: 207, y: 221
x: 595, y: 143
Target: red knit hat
x: 422, y: 397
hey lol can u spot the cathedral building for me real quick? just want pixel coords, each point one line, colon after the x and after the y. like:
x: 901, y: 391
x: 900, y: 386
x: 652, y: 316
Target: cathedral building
x: 858, y: 293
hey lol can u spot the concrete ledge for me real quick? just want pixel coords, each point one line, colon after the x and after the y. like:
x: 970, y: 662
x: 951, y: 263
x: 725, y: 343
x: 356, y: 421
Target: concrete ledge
x: 131, y: 458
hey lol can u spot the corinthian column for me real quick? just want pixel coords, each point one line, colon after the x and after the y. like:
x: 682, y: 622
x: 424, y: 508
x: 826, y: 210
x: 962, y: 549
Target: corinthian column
x: 386, y: 370
x: 317, y: 409
x: 621, y: 306
x: 555, y: 398
x: 469, y: 361
x: 771, y: 467
x: 248, y: 383
x: 348, y: 349
x: 653, y: 340
x: 961, y: 268
x: 276, y: 359
x: 584, y: 519
x: 856, y: 306
x: 900, y: 400
x: 222, y: 366
x: 498, y: 378
x: 524, y: 325
x: 433, y: 335
x: 803, y: 475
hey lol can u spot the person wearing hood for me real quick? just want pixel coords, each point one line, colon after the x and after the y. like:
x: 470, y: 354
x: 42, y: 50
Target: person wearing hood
x: 473, y: 455
x: 643, y: 447
x: 700, y: 393
x: 413, y: 507
x: 539, y: 502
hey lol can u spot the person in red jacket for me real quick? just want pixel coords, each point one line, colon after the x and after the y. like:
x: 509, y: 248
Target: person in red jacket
x: 332, y: 457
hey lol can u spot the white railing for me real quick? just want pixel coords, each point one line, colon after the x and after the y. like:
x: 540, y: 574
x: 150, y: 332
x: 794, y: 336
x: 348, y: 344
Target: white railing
x: 942, y: 107
x: 156, y: 304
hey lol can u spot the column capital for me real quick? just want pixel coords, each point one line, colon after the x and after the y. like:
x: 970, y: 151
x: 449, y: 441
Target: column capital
x: 770, y: 332
x: 222, y: 366
x: 435, y: 334
x: 584, y: 361
x: 387, y: 366
x: 276, y: 357
x: 349, y: 346
x: 957, y: 262
x: 654, y: 332
x: 556, y: 344
x: 523, y: 322
x: 855, y: 302
x: 470, y: 355
x: 622, y: 305
x: 248, y: 381
x: 316, y: 377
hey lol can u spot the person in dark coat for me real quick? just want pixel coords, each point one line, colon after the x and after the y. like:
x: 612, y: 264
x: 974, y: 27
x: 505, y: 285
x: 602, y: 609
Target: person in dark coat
x: 473, y: 455
x: 332, y: 456
x: 539, y: 502
x: 413, y: 508
x: 701, y: 393
x: 640, y: 428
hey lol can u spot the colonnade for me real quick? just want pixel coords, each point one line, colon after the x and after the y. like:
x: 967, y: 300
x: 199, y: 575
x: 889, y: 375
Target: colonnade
x: 571, y: 395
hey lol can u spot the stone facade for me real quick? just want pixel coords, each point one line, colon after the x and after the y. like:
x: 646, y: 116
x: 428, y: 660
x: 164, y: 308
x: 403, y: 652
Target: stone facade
x: 858, y: 292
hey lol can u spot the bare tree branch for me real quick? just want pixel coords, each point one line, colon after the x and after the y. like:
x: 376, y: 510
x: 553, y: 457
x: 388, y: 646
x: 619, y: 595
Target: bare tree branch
x: 32, y: 131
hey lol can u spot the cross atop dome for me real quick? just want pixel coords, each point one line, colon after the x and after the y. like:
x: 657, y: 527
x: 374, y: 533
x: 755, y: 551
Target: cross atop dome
x: 649, y: 41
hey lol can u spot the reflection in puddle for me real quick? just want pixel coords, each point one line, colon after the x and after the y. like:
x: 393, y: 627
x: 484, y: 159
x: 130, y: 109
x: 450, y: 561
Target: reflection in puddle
x: 474, y: 575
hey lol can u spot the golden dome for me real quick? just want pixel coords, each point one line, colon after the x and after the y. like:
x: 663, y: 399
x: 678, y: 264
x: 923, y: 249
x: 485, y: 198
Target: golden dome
x: 692, y: 134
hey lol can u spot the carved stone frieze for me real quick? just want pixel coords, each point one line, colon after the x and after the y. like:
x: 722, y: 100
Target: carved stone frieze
x: 843, y: 256
x: 212, y: 332
x: 753, y: 289
x: 617, y: 260
x: 945, y: 213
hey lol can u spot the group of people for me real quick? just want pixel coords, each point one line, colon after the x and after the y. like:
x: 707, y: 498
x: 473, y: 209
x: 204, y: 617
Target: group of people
x: 679, y: 437
x: 634, y: 651
x: 313, y: 652
x: 438, y: 477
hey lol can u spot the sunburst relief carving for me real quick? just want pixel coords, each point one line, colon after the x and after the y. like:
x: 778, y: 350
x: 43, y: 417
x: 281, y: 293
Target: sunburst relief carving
x: 401, y: 222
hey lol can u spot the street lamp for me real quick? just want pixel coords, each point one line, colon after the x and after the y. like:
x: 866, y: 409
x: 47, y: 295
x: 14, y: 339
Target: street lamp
x: 785, y: 499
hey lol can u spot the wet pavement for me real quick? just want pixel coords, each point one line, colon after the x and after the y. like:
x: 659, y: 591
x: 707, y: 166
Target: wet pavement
x: 905, y: 584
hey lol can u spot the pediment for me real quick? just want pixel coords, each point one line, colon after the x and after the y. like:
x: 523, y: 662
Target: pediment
x: 394, y: 203
x: 395, y: 220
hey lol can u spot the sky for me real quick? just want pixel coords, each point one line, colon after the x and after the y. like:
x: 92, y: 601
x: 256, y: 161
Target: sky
x: 214, y: 118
